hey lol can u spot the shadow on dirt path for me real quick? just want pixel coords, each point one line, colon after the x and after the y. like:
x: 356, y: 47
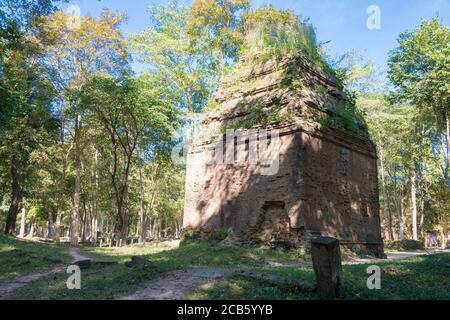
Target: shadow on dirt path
x: 174, y: 285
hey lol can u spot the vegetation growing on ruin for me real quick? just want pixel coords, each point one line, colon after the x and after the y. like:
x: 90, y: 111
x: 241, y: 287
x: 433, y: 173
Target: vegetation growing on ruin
x: 273, y: 33
x: 257, y: 117
x: 346, y: 115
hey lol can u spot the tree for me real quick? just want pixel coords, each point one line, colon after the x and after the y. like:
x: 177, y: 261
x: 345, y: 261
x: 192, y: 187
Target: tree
x: 25, y: 92
x: 220, y: 22
x: 96, y: 47
x: 404, y: 145
x: 166, y: 48
x: 420, y: 70
x: 128, y: 115
x: 25, y: 121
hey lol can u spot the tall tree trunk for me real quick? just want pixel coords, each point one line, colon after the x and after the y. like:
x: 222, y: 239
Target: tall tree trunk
x: 386, y: 199
x: 58, y: 226
x: 400, y: 219
x: 22, y: 223
x: 96, y: 213
x: 122, y: 212
x: 16, y: 199
x: 443, y: 238
x: 447, y: 155
x: 423, y: 194
x: 149, y: 225
x: 414, y: 205
x: 50, y: 225
x: 141, y: 207
x: 77, y: 191
x: 121, y: 203
x: 94, y: 230
x: 84, y: 222
x: 31, y: 233
x: 59, y: 211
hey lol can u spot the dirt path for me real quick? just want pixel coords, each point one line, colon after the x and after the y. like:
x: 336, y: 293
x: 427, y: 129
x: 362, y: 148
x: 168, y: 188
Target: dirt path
x: 8, y: 287
x: 174, y: 285
x: 76, y: 256
x: 396, y: 256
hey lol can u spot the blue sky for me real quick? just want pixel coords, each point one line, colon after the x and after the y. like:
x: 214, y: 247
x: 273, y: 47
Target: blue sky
x: 342, y: 22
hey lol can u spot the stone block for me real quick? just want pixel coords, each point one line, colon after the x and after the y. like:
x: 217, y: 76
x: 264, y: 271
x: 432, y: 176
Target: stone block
x: 326, y: 257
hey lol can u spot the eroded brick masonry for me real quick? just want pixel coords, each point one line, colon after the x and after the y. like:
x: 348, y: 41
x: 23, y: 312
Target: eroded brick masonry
x: 326, y: 183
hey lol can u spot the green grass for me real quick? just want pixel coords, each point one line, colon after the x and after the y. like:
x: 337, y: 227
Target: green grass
x: 18, y: 258
x: 425, y: 277
x: 198, y: 254
x: 112, y: 281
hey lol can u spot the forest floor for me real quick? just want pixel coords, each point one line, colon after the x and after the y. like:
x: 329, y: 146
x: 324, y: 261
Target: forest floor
x: 204, y: 270
x: 25, y: 257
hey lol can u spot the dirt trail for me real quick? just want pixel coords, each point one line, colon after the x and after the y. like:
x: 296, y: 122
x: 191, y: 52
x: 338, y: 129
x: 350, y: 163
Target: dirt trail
x: 174, y: 285
x: 396, y: 256
x: 76, y: 256
x: 8, y: 287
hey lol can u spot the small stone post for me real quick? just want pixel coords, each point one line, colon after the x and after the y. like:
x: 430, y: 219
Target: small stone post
x: 101, y: 243
x: 326, y: 257
x: 120, y: 242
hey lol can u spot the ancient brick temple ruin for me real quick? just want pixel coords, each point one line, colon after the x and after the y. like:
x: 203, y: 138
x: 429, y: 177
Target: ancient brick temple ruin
x: 326, y: 183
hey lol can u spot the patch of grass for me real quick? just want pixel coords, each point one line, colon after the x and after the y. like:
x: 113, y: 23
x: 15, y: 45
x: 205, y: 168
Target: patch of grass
x: 107, y: 282
x: 97, y: 282
x: 405, y: 245
x: 18, y: 258
x: 197, y: 254
x: 423, y: 277
x: 242, y: 288
x: 250, y: 288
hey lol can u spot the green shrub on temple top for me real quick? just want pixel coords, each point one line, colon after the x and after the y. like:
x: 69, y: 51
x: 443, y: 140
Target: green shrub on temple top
x: 271, y: 32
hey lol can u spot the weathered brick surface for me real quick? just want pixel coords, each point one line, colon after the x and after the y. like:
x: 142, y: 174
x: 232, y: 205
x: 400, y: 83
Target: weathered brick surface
x: 326, y: 185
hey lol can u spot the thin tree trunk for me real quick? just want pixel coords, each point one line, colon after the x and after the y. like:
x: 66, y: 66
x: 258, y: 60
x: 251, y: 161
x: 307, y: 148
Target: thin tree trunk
x: 84, y: 222
x: 96, y: 213
x: 16, y: 199
x: 121, y: 203
x: 141, y: 207
x: 414, y: 205
x: 398, y: 207
x: 59, y: 212
x: 58, y: 226
x: 400, y: 219
x: 22, y: 223
x: 31, y: 233
x: 447, y: 156
x: 76, y: 196
x: 149, y: 225
x: 50, y: 225
x: 423, y: 194
x: 443, y: 238
x: 386, y: 200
